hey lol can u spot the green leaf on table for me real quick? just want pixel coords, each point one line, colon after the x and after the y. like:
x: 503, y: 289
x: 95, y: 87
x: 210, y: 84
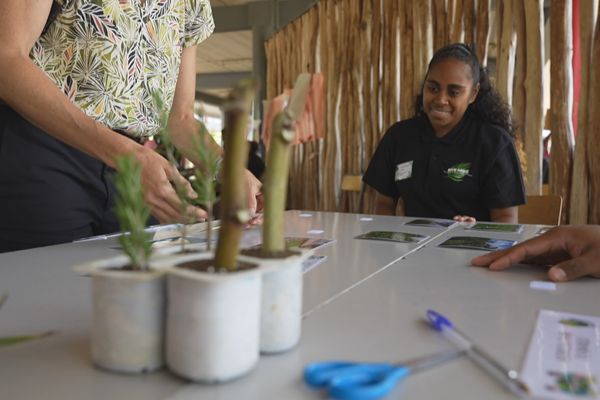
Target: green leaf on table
x: 3, y: 298
x: 12, y: 340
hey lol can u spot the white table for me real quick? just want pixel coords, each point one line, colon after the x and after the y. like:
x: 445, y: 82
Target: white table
x: 365, y: 302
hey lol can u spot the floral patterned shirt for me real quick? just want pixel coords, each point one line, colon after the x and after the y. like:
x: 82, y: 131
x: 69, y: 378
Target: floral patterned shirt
x: 110, y: 56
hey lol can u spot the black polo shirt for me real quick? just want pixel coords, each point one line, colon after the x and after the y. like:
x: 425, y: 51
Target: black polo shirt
x: 470, y: 170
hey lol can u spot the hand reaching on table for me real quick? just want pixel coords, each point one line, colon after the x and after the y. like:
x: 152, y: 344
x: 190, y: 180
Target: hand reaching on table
x: 158, y: 178
x: 572, y: 251
x: 255, y: 203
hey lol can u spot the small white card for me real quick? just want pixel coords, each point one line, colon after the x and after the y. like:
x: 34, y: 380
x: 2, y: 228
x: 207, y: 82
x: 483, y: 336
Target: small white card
x: 563, y: 360
x: 403, y: 171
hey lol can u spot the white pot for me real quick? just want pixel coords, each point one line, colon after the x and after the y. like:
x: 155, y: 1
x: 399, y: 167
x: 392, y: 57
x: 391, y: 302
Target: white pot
x: 128, y: 317
x: 281, y: 303
x: 212, y: 322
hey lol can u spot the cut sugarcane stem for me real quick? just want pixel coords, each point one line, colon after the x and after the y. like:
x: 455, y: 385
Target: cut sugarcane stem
x: 234, y: 212
x: 276, y: 180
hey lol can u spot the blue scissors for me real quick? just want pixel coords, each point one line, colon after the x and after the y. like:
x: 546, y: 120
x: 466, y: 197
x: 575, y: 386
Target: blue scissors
x: 347, y: 380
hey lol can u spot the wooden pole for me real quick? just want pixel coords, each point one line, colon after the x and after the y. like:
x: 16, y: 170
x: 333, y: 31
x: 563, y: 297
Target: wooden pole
x: 506, y: 50
x: 534, y: 106
x: 482, y: 30
x: 440, y: 30
x: 561, y: 97
x: 407, y: 92
x: 578, y: 212
x: 593, y: 137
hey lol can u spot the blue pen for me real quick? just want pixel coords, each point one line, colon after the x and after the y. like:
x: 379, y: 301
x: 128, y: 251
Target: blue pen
x: 507, y: 377
x: 347, y: 380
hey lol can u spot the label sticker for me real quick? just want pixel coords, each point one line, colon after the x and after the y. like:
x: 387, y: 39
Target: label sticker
x: 403, y: 171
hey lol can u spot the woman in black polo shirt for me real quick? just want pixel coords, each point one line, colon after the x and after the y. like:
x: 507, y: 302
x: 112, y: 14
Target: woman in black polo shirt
x: 456, y: 158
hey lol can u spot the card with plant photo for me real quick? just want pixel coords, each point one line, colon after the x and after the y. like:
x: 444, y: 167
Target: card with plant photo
x: 311, y: 262
x: 402, y: 237
x: 303, y: 243
x: 484, y: 226
x: 432, y: 223
x: 477, y: 243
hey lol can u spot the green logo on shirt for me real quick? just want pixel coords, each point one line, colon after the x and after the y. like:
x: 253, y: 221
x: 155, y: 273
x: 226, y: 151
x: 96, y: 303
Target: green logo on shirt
x: 459, y: 171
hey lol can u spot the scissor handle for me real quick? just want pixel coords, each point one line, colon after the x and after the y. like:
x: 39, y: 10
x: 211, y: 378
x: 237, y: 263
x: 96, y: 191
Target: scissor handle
x: 366, y: 383
x: 318, y: 374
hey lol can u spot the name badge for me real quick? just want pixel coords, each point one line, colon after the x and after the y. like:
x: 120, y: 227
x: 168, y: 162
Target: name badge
x: 403, y: 171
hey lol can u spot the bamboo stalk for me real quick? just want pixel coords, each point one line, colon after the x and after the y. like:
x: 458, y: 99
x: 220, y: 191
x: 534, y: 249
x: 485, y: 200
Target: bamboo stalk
x: 578, y: 212
x: 276, y: 178
x: 234, y: 213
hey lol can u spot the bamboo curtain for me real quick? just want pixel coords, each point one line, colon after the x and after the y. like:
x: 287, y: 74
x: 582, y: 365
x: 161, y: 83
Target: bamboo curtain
x: 374, y: 55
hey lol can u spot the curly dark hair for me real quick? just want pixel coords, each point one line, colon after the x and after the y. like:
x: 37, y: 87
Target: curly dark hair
x: 488, y: 105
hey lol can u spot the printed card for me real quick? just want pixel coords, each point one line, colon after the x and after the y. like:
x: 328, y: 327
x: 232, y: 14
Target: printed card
x: 478, y: 243
x: 307, y: 243
x: 304, y: 243
x: 563, y: 359
x: 403, y: 237
x: 311, y: 262
x: 433, y: 223
x: 483, y: 226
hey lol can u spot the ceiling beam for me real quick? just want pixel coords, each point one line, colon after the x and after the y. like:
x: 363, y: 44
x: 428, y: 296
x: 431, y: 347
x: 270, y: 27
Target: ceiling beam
x: 271, y: 14
x: 210, y: 98
x: 219, y: 80
x: 264, y: 18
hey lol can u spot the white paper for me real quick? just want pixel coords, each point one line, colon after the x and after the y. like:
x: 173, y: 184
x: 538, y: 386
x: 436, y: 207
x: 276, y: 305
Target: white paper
x: 563, y: 359
x: 542, y: 285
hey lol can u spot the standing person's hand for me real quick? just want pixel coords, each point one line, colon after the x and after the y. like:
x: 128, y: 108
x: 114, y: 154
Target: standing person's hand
x: 572, y: 251
x: 464, y: 218
x: 254, y: 195
x: 159, y: 178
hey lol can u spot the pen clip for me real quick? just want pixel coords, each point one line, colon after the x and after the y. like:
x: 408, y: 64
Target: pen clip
x: 438, y: 321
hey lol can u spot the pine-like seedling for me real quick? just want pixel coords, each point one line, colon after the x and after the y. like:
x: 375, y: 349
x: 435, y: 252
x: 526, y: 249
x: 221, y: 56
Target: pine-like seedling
x: 132, y: 212
x: 204, y: 180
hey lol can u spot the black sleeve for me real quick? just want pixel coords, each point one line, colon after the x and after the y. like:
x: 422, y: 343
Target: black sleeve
x: 380, y: 173
x: 503, y: 184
